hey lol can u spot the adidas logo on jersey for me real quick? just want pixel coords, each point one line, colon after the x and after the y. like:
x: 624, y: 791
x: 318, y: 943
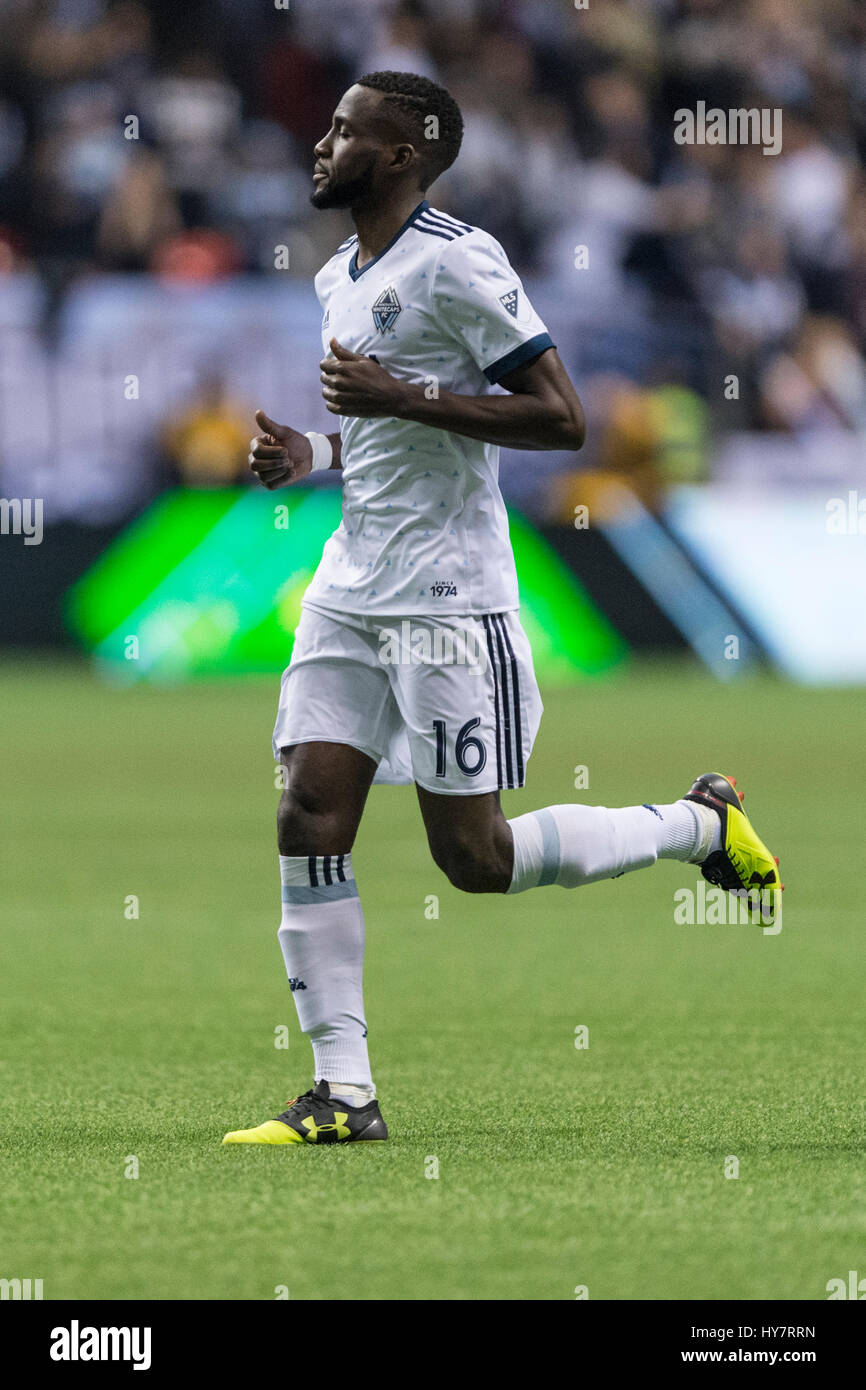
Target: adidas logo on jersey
x: 387, y: 309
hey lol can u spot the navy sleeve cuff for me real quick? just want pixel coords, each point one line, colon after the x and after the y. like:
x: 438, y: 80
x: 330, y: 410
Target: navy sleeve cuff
x: 524, y: 353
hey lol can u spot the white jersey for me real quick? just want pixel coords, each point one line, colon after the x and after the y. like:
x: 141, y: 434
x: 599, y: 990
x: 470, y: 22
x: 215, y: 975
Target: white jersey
x: 424, y: 526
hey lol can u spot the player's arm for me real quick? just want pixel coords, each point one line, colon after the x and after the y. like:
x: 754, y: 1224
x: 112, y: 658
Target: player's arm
x: 281, y: 455
x: 541, y: 411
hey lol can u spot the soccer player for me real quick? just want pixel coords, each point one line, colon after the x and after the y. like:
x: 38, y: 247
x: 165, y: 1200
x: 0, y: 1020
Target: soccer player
x: 409, y: 662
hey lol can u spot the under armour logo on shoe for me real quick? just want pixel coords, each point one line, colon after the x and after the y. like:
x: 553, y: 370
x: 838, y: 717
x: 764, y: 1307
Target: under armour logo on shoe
x: 339, y: 1130
x: 762, y: 880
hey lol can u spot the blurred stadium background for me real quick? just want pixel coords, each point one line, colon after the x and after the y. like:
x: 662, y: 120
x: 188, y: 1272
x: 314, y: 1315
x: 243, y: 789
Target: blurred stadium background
x: 708, y: 614
x: 155, y: 172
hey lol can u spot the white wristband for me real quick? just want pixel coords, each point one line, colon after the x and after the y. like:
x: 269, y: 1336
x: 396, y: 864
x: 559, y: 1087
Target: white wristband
x: 323, y: 450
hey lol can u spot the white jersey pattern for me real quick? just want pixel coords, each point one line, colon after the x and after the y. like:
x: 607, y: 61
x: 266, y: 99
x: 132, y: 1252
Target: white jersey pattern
x: 424, y: 527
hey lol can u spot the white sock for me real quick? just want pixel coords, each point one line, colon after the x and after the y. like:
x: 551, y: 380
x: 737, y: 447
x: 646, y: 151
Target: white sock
x: 322, y: 940
x: 350, y: 1095
x: 681, y: 829
x: 571, y: 845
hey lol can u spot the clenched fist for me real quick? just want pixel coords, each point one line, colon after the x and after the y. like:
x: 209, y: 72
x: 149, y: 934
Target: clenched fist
x: 353, y: 384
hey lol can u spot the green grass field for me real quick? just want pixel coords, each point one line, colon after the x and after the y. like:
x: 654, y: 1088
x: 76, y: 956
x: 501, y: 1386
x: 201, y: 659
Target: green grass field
x: 558, y: 1167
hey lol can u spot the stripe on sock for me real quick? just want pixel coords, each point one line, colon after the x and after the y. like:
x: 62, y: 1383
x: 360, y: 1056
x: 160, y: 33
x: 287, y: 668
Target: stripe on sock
x: 316, y: 870
x: 549, y: 846
x: 297, y: 893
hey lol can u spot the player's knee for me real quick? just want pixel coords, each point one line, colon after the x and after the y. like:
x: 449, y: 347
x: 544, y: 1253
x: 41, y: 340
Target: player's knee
x: 304, y: 825
x: 470, y: 865
x: 291, y: 821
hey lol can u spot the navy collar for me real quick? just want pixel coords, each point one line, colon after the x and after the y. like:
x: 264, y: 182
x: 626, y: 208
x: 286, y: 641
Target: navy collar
x: 353, y: 263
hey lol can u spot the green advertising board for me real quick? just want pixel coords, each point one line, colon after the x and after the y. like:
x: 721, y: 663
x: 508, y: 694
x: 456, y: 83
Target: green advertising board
x: 210, y: 583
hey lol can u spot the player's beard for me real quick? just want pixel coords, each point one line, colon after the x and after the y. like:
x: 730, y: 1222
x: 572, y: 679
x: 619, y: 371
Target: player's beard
x: 351, y: 193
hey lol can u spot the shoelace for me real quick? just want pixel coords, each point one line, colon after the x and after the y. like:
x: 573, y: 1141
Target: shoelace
x: 307, y: 1096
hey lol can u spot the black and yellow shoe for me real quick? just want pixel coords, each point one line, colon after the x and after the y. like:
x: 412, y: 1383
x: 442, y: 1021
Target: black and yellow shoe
x: 743, y: 864
x: 314, y: 1118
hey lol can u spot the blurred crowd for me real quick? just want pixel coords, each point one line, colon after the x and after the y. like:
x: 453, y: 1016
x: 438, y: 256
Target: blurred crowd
x: 174, y: 140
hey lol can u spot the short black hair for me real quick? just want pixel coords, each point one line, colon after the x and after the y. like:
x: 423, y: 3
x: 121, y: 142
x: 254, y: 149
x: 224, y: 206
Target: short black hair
x: 412, y: 99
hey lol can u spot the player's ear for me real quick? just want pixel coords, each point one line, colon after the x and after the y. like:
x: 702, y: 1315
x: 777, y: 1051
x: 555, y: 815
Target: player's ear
x: 404, y: 157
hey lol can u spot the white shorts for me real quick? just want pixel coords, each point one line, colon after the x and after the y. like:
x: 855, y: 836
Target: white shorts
x: 451, y: 703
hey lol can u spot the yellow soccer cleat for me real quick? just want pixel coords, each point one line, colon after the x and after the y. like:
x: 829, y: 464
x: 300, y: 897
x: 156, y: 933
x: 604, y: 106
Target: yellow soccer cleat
x: 743, y: 865
x: 313, y: 1118
x: 271, y: 1132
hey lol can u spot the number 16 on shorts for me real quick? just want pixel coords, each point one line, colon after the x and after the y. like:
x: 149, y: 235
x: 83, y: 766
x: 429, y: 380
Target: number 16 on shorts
x: 469, y: 752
